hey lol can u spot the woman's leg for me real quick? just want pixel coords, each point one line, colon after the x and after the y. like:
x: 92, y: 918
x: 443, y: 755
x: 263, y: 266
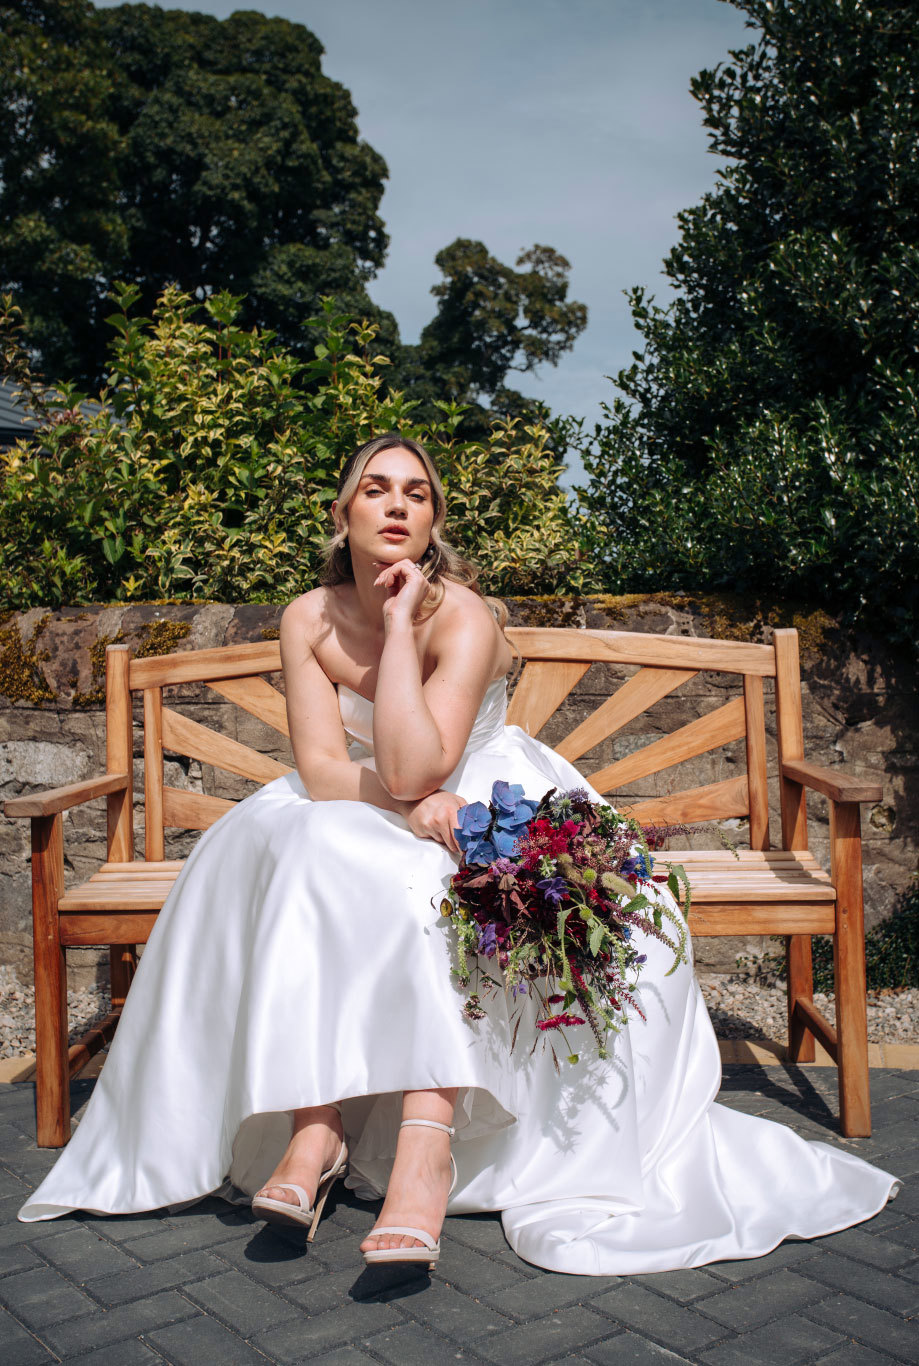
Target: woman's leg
x: 312, y: 1150
x: 416, y: 1196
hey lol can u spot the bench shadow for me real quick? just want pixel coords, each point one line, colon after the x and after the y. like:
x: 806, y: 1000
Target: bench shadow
x: 800, y: 1095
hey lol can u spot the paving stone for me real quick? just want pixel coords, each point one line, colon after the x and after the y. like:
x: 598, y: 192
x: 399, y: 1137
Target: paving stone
x: 123, y: 1228
x: 786, y: 1342
x: 473, y: 1273
x: 270, y: 1261
x: 629, y: 1349
x: 411, y: 1345
x: 42, y: 1297
x: 548, y: 1338
x: 874, y: 1327
x: 303, y: 1338
x: 451, y: 1313
x: 110, y: 1326
x: 11, y: 1186
x: 482, y: 1231
x: 203, y: 1339
x: 18, y: 1346
x: 371, y: 1285
x: 532, y: 1299
x: 685, y: 1286
x: 18, y: 1257
x: 789, y: 1253
x: 130, y: 1352
x: 239, y: 1303
x: 873, y: 1249
x: 343, y: 1356
x: 82, y: 1255
x: 170, y: 1242
x: 743, y: 1307
x: 140, y: 1281
x: 854, y: 1354
x: 866, y: 1282
x: 664, y: 1322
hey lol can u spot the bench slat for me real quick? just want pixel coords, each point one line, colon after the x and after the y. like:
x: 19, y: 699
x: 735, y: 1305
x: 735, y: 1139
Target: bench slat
x: 541, y: 689
x: 713, y: 802
x: 740, y: 918
x: 716, y: 728
x: 634, y: 647
x: 192, y: 810
x: 184, y: 736
x: 256, y: 696
x: 636, y: 695
x: 198, y: 666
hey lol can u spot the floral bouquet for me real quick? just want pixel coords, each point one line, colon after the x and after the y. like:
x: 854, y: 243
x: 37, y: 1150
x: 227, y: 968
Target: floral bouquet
x: 553, y: 890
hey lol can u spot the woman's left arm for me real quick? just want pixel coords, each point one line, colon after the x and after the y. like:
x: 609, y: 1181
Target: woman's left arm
x: 420, y: 733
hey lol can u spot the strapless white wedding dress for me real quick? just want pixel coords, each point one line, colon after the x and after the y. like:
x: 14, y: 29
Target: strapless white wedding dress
x: 302, y: 958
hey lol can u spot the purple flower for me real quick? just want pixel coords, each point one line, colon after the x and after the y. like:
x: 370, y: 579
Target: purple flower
x: 487, y: 941
x: 520, y: 989
x: 554, y: 889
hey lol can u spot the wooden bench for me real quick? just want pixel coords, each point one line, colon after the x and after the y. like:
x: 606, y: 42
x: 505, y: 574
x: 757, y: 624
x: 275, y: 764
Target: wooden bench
x: 765, y: 889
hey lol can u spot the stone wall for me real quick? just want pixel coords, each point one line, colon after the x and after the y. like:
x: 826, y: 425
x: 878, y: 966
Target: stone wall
x: 860, y: 710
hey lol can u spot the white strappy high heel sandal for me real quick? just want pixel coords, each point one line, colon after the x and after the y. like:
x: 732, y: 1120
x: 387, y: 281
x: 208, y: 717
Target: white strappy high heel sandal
x: 301, y: 1215
x: 430, y: 1253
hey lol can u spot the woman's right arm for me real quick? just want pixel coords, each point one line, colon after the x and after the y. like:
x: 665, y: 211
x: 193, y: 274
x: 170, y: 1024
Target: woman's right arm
x: 318, y: 738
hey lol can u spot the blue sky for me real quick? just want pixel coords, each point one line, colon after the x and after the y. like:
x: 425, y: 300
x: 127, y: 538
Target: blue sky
x: 567, y: 122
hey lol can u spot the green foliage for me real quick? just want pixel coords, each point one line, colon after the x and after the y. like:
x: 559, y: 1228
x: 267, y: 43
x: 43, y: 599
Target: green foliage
x: 160, y: 146
x: 891, y: 951
x: 163, y: 146
x: 491, y: 320
x: 767, y: 437
x: 207, y: 467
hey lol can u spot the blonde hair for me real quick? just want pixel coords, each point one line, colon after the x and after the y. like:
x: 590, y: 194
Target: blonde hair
x: 440, y: 561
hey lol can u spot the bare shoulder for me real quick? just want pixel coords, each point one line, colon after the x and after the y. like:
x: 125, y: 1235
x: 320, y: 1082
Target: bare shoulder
x: 307, y: 613
x: 464, y: 616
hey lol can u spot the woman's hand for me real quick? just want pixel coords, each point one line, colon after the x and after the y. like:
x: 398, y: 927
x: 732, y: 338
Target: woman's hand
x: 407, y: 588
x: 434, y: 818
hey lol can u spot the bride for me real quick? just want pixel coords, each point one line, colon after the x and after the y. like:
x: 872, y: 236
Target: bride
x: 293, y: 1019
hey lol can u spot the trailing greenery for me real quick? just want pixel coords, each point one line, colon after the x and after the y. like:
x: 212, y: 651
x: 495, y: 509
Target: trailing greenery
x: 891, y: 951
x: 766, y: 439
x: 207, y: 466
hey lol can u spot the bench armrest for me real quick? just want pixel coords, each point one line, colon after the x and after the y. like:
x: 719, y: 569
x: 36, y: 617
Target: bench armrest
x: 838, y: 786
x: 57, y: 799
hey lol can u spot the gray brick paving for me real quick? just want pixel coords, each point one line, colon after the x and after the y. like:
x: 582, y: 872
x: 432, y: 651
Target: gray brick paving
x: 208, y: 1285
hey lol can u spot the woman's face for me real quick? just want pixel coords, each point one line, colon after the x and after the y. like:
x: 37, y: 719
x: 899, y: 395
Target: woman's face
x: 391, y: 514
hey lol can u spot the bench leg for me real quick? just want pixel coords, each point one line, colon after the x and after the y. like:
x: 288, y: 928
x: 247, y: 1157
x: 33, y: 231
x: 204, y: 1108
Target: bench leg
x: 52, y: 1070
x: 122, y: 966
x: 799, y: 971
x: 849, y: 971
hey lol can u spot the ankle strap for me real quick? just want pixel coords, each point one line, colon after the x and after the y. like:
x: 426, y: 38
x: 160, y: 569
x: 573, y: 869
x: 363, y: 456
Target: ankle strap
x: 429, y: 1124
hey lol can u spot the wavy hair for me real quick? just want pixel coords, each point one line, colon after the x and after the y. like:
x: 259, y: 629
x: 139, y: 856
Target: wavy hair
x: 440, y: 561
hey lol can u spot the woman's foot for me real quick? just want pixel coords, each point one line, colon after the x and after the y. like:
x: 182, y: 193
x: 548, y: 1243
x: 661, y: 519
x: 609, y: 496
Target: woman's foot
x: 312, y: 1150
x: 418, y: 1188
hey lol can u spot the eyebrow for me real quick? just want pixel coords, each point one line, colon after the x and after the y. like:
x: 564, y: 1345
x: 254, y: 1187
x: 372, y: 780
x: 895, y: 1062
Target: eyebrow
x: 385, y: 479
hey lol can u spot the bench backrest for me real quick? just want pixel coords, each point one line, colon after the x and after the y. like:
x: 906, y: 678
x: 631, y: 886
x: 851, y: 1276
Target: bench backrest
x: 556, y: 660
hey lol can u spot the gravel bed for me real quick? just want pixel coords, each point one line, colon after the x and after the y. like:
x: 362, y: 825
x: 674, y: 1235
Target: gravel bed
x: 740, y: 1008
x: 743, y: 1009
x: 17, y: 1014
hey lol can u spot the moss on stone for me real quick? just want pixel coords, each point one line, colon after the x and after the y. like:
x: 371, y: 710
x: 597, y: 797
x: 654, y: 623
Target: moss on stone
x: 154, y: 638
x: 161, y: 637
x: 22, y: 678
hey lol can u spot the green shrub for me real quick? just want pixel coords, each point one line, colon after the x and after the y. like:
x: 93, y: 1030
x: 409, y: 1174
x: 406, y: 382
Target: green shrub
x: 207, y: 467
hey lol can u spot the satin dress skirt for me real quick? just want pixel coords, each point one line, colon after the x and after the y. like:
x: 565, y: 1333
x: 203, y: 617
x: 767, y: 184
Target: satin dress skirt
x: 301, y: 958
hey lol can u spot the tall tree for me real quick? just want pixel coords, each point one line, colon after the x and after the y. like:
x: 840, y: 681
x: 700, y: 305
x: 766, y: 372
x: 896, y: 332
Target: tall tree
x: 767, y: 432
x: 156, y: 145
